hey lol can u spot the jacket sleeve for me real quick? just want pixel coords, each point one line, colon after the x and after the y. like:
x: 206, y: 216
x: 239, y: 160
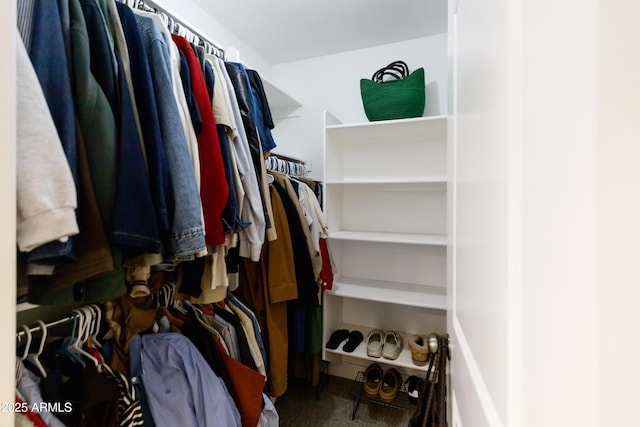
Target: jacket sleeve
x: 46, y: 193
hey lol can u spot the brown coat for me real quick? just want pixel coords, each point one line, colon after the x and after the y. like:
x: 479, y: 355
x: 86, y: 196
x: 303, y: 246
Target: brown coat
x: 266, y: 286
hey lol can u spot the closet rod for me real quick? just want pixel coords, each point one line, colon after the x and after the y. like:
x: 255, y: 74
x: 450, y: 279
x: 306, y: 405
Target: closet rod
x: 161, y: 10
x: 288, y: 158
x: 62, y: 321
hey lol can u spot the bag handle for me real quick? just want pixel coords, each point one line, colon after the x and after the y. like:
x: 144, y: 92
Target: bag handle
x: 397, y: 69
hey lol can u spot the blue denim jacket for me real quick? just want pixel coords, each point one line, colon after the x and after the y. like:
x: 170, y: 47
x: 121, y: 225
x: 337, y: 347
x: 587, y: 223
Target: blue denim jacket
x: 148, y: 112
x: 266, y: 139
x: 187, y: 230
x: 134, y: 222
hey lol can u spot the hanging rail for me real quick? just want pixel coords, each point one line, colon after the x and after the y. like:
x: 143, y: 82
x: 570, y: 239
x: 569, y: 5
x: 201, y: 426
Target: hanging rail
x: 177, y: 24
x: 62, y: 321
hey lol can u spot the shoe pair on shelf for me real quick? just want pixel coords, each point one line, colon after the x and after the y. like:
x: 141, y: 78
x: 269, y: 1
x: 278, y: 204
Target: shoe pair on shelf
x: 387, y: 345
x: 413, y: 385
x: 380, y: 383
x: 419, y: 347
x: 352, y: 338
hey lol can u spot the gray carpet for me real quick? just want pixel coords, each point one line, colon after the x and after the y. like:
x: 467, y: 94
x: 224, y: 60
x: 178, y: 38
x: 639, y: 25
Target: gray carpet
x: 300, y: 407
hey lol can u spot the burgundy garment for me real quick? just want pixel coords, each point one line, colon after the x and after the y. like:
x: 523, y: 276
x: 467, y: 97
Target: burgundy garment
x: 326, y: 274
x: 214, y: 189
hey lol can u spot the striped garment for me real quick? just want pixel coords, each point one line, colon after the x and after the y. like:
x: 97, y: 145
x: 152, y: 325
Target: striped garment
x: 130, y: 409
x: 25, y: 12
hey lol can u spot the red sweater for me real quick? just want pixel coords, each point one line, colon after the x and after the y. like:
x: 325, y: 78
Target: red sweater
x: 214, y: 189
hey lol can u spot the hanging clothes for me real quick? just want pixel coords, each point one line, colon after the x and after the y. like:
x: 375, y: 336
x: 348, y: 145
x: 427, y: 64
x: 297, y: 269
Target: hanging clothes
x: 242, y: 90
x: 186, y: 237
x: 214, y: 189
x: 48, y: 57
x: 266, y: 286
x: 147, y: 109
x: 251, y: 206
x: 172, y: 372
x: 46, y: 191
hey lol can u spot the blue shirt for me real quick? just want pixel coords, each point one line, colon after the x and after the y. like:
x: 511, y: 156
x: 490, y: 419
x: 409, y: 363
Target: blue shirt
x: 180, y: 387
x: 186, y: 237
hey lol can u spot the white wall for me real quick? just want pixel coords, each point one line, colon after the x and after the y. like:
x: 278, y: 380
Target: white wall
x: 198, y: 20
x: 560, y: 213
x: 332, y: 83
x: 480, y: 321
x: 618, y: 154
x: 7, y: 209
x: 547, y: 213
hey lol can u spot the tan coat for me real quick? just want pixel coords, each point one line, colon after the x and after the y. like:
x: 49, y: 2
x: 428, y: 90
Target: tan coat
x: 266, y: 286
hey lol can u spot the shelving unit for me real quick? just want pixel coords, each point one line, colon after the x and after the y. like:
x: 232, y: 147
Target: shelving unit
x: 357, y: 392
x: 386, y: 203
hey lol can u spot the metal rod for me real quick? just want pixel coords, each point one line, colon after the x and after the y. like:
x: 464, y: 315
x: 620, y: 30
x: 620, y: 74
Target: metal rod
x: 62, y: 321
x: 153, y: 5
x: 288, y: 158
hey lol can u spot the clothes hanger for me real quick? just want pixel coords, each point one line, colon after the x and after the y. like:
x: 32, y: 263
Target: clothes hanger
x: 165, y: 19
x: 73, y: 345
x: 171, y: 287
x: 88, y: 338
x: 27, y: 334
x: 65, y: 349
x: 20, y: 369
x: 35, y: 357
x: 162, y: 297
x: 90, y: 318
x: 82, y: 336
x: 98, y: 322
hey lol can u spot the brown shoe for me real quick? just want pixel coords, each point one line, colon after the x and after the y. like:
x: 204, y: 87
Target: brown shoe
x: 390, y: 384
x: 372, y: 380
x: 419, y: 350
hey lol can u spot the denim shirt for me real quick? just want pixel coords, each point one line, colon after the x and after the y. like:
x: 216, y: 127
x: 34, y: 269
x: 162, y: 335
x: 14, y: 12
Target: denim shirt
x: 180, y: 387
x: 149, y: 122
x: 187, y: 231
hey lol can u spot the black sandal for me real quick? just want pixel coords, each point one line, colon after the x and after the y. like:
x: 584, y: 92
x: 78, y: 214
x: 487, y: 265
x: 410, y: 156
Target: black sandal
x: 355, y: 338
x: 337, y: 337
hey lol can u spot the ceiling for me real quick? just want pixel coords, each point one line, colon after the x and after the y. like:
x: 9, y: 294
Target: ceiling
x: 290, y: 30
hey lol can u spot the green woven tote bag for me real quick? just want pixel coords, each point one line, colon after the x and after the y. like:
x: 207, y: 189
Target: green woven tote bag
x: 400, y: 98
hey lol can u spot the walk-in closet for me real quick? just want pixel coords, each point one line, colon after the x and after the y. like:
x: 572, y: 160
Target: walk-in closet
x: 221, y: 213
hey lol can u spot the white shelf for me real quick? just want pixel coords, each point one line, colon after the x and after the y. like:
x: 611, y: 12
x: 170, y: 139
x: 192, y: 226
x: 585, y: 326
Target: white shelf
x: 404, y: 123
x: 386, y: 205
x: 281, y: 103
x: 426, y: 128
x: 403, y: 360
x: 24, y: 306
x: 402, y: 238
x: 277, y: 97
x: 406, y: 294
x: 389, y: 181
